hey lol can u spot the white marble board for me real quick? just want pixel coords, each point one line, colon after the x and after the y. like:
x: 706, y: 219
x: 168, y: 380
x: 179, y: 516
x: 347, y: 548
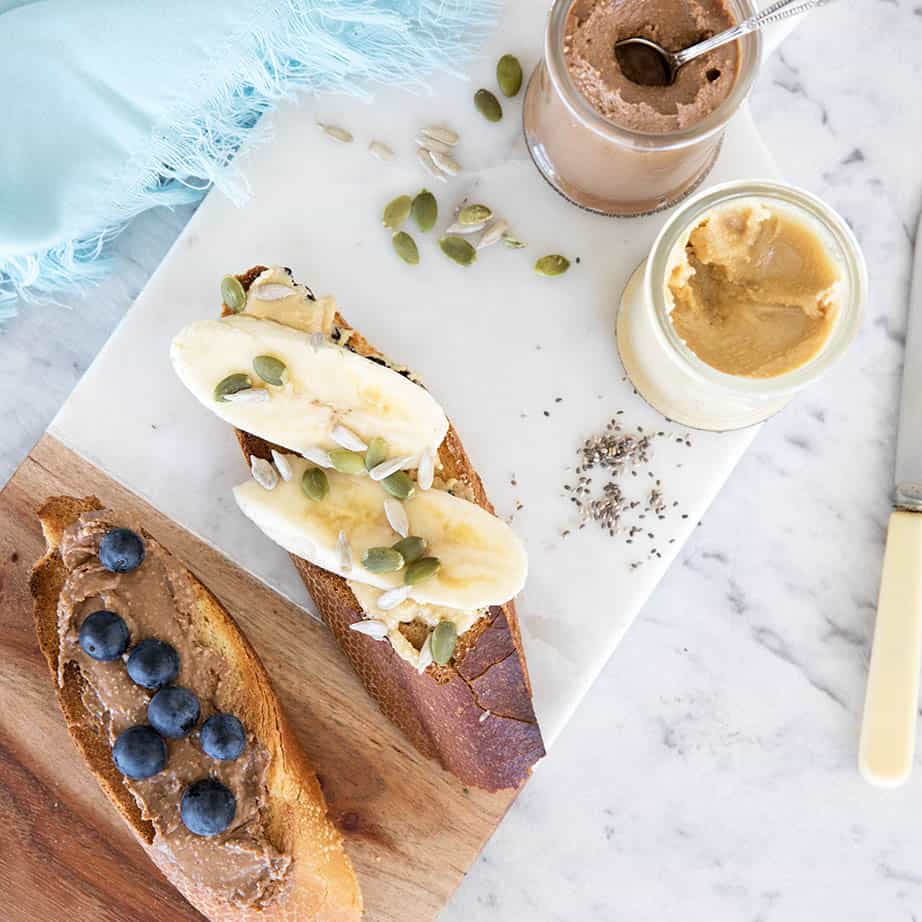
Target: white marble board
x: 495, y: 343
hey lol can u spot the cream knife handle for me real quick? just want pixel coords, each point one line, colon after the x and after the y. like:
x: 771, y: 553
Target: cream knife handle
x: 888, y: 731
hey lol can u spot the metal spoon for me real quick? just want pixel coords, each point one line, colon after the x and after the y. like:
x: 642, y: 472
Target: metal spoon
x: 646, y: 62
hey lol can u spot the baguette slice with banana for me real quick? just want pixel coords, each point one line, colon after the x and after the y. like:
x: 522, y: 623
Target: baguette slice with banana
x: 361, y: 477
x: 174, y: 714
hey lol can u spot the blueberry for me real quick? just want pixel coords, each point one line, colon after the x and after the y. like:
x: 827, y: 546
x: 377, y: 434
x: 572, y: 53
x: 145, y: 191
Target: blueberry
x: 121, y: 550
x: 103, y: 635
x: 207, y: 807
x: 173, y: 712
x: 153, y: 664
x: 139, y: 752
x: 223, y: 737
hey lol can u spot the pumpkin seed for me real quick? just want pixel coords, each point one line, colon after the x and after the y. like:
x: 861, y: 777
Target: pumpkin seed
x: 377, y: 452
x: 445, y: 162
x: 553, y: 264
x: 441, y: 133
x: 458, y: 249
x: 232, y: 294
x: 405, y: 247
x: 475, y: 214
x: 347, y: 462
x: 399, y: 485
x: 315, y: 484
x: 270, y: 369
x: 488, y: 105
x: 513, y: 242
x: 382, y: 560
x: 443, y: 641
x: 509, y: 75
x: 425, y: 210
x: 421, y: 570
x: 412, y: 548
x: 232, y: 384
x: 397, y: 211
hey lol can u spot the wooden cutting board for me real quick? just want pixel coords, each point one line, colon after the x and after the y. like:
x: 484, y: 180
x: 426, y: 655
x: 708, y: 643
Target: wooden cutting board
x: 411, y: 829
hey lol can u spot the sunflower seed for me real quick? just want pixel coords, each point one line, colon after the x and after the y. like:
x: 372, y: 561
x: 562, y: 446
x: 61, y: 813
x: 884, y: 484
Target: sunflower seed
x: 344, y: 549
x: 441, y: 133
x: 314, y: 484
x: 318, y: 456
x: 458, y: 249
x: 386, y: 468
x: 431, y: 144
x: 318, y: 341
x: 272, y: 370
x: 425, y: 657
x: 393, y: 597
x: 253, y: 395
x: 484, y: 716
x: 271, y: 292
x: 445, y: 162
x: 428, y: 164
x: 551, y: 265
x: 336, y: 133
x: 411, y: 548
x: 442, y: 641
x: 232, y: 384
x: 282, y: 465
x: 458, y: 228
x: 263, y: 473
x: 377, y: 630
x: 397, y: 211
x: 513, y: 242
x: 397, y: 516
x: 347, y: 462
x: 232, y: 294
x: 426, y: 471
x: 475, y: 214
x: 509, y: 75
x: 382, y: 560
x: 405, y: 247
x: 488, y: 105
x: 347, y: 438
x: 380, y: 150
x: 425, y: 210
x: 421, y: 570
x: 493, y: 234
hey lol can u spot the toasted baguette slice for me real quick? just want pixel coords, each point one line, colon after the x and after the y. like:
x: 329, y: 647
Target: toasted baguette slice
x: 475, y: 715
x: 323, y: 887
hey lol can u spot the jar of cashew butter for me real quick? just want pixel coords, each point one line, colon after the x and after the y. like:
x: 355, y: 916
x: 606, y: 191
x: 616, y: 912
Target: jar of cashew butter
x: 751, y: 291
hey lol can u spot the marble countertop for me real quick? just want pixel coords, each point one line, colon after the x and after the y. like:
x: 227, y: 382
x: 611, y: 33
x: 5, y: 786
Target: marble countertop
x: 710, y: 773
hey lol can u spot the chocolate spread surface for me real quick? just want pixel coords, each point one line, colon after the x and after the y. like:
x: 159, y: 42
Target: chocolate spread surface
x: 157, y: 600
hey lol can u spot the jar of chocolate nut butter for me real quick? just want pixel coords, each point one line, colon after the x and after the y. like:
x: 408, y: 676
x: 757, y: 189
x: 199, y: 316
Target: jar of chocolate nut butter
x: 618, y: 147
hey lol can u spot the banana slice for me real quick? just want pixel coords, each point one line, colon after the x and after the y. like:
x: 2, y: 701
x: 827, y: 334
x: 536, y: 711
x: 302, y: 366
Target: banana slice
x: 483, y: 562
x: 325, y: 387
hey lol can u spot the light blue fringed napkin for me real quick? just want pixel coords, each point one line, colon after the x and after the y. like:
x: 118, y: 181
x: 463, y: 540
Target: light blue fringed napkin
x: 111, y: 107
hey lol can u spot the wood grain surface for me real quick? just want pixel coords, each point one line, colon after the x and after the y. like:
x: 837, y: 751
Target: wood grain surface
x: 411, y: 829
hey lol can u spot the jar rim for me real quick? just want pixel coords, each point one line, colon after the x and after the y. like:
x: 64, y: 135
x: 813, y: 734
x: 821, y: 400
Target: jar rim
x: 583, y: 111
x: 849, y: 254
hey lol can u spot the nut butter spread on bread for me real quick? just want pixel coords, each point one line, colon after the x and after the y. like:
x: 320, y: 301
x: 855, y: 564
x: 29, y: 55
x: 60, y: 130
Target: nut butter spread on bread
x: 360, y: 476
x: 175, y: 715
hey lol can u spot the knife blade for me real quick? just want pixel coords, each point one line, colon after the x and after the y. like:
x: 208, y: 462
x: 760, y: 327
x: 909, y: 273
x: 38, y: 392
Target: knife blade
x: 908, y: 492
x: 888, y: 729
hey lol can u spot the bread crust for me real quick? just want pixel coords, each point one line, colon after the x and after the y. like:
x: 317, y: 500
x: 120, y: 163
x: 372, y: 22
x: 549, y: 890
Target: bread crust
x: 323, y: 884
x: 474, y: 716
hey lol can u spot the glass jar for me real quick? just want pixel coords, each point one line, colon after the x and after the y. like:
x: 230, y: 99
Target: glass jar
x: 670, y: 377
x: 612, y: 170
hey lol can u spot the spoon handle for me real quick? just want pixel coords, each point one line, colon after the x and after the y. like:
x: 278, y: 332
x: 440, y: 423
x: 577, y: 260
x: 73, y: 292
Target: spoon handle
x: 774, y: 13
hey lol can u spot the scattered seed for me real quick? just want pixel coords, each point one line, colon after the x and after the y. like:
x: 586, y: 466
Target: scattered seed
x: 428, y: 164
x: 509, y: 75
x: 493, y: 234
x: 282, y: 465
x: 425, y: 210
x: 458, y: 228
x: 382, y: 560
x: 232, y: 294
x: 475, y: 214
x: 399, y: 485
x: 344, y: 549
x: 484, y: 716
x: 377, y: 452
x: 458, y: 249
x: 386, y: 468
x: 393, y: 597
x: 405, y: 247
x: 380, y: 150
x: 317, y: 456
x: 445, y: 162
x: 263, y: 473
x: 425, y: 473
x: 411, y: 548
x: 552, y: 265
x: 254, y: 395
x: 347, y: 462
x: 442, y: 641
x: 397, y: 211
x: 314, y: 484
x: 396, y: 516
x: 513, y: 242
x: 488, y: 105
x: 344, y: 436
x: 272, y: 370
x: 431, y: 144
x: 232, y: 384
x: 271, y: 291
x: 425, y: 656
x: 377, y: 630
x: 336, y: 133
x: 421, y: 570
x: 441, y: 133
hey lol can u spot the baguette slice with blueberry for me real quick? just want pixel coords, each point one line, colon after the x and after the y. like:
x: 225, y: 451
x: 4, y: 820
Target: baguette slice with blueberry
x: 277, y: 858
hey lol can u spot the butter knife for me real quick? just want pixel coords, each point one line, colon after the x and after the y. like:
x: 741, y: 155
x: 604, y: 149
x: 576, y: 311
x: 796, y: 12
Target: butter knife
x: 888, y: 730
